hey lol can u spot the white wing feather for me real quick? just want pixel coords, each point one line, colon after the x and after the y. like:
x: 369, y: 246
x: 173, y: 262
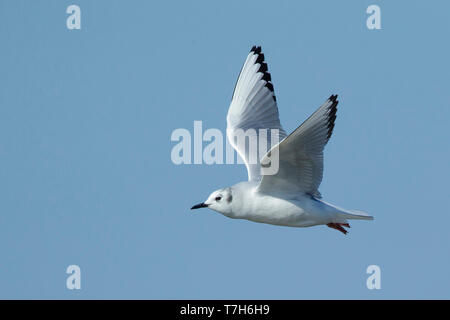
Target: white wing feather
x: 253, y: 106
x: 301, y: 154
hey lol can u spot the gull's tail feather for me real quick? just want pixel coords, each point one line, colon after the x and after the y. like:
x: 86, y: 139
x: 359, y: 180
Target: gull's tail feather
x: 347, y: 214
x: 355, y: 215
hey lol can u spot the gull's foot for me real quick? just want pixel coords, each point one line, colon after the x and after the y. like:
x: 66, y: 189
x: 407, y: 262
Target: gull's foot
x: 339, y: 226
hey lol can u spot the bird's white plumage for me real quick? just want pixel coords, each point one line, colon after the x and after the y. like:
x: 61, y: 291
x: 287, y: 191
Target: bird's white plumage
x: 289, y: 197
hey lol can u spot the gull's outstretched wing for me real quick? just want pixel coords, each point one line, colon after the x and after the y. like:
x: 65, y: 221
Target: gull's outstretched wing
x: 252, y: 108
x: 301, y: 154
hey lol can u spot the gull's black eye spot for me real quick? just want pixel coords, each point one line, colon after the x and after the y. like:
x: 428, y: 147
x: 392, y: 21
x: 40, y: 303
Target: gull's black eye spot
x: 218, y: 198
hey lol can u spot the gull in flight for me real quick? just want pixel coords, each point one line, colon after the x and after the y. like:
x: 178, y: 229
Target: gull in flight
x: 288, y: 196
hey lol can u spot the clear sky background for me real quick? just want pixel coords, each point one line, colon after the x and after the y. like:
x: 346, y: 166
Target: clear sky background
x: 86, y: 176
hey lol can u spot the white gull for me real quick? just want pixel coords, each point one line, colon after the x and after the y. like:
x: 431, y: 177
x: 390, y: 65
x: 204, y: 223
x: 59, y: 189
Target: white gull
x: 290, y: 196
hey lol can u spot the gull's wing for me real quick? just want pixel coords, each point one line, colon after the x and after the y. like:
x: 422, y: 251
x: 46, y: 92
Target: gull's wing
x: 252, y: 108
x: 301, y: 154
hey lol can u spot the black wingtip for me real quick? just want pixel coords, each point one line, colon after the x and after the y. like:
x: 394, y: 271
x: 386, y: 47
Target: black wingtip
x: 267, y: 77
x: 332, y: 114
x: 333, y: 97
x: 256, y: 49
x: 263, y: 69
x: 269, y: 86
x: 260, y: 58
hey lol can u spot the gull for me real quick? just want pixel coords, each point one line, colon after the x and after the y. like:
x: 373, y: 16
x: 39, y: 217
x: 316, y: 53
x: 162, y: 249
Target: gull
x: 288, y: 196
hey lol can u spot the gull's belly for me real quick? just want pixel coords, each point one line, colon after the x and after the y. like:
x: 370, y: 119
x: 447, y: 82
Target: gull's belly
x: 302, y: 212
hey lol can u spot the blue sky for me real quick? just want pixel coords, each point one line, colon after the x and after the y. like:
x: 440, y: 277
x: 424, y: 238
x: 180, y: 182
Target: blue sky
x: 86, y: 176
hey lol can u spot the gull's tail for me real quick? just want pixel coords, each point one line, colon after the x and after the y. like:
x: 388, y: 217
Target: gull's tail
x: 355, y: 215
x: 342, y: 215
x: 346, y: 214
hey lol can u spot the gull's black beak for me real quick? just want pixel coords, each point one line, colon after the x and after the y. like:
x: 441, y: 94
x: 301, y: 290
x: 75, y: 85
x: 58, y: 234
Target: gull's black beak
x: 200, y: 205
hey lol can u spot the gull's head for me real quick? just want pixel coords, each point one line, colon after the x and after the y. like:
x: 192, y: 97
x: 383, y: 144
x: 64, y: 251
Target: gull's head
x: 220, y: 201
